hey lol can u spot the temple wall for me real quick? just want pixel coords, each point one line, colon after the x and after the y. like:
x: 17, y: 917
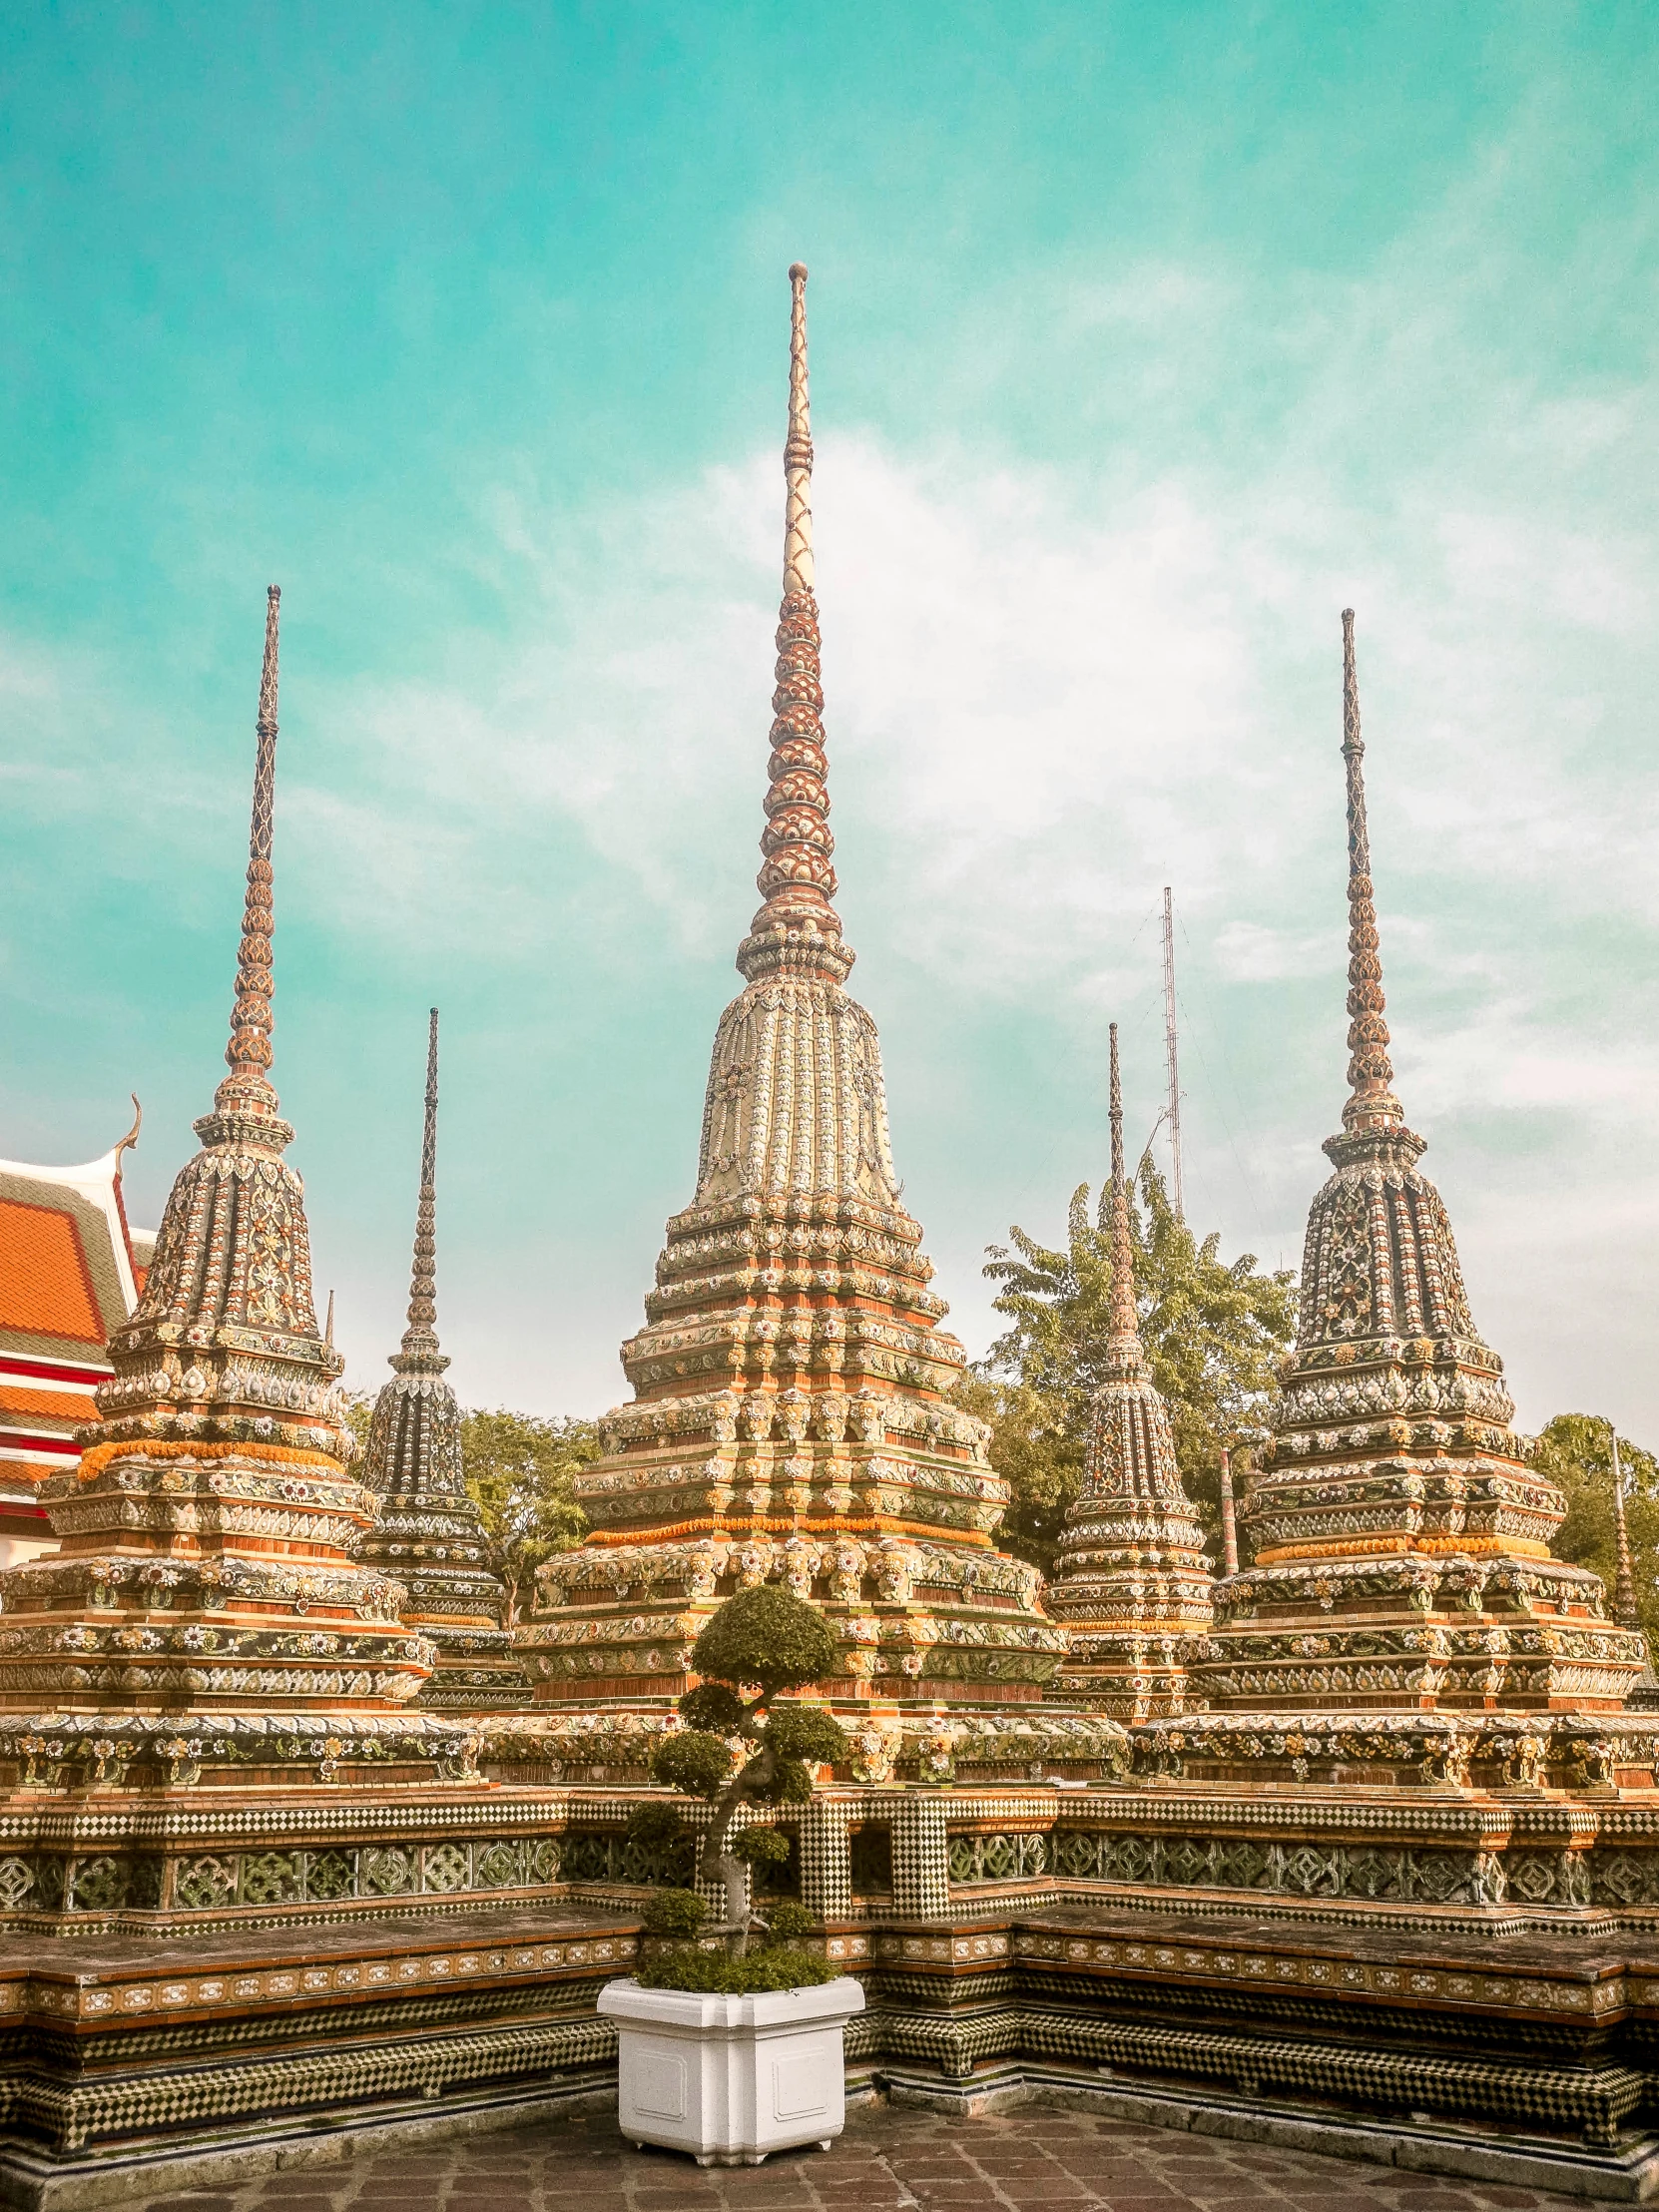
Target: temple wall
x: 1437, y: 1976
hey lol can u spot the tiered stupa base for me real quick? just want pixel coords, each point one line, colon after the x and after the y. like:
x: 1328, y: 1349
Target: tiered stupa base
x: 451, y: 1599
x: 1443, y: 1631
x: 476, y: 1671
x: 831, y: 1462
x: 948, y: 1665
x: 1131, y: 1587
x: 143, y: 1655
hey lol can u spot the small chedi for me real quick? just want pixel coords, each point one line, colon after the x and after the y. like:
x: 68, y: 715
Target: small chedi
x: 429, y: 1534
x: 792, y: 1418
x: 203, y: 1617
x: 1402, y: 1585
x: 1131, y: 1583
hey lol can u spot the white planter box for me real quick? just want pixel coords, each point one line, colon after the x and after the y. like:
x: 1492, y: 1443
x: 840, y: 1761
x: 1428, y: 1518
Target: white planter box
x: 731, y: 2078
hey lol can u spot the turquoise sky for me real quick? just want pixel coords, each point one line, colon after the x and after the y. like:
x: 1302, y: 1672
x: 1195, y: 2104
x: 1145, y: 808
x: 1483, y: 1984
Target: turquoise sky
x: 1144, y: 338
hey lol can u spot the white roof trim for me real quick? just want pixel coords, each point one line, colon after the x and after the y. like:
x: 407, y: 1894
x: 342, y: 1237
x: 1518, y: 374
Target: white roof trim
x: 95, y: 1182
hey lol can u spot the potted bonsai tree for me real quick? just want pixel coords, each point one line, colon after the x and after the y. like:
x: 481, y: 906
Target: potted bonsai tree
x: 730, y: 2038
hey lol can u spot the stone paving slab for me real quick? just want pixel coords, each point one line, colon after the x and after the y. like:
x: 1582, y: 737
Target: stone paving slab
x: 891, y: 2159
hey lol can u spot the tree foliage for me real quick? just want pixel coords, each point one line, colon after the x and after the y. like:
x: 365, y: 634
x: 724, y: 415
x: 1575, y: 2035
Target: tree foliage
x: 766, y: 1637
x: 772, y: 1642
x: 1576, y: 1450
x: 519, y: 1469
x: 360, y: 1416
x: 776, y: 1964
x: 1213, y: 1330
x: 677, y: 1914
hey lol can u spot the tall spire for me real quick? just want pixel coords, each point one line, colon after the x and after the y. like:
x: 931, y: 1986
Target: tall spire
x: 247, y: 1089
x: 796, y: 928
x: 1123, y: 1336
x: 797, y: 449
x: 421, y: 1335
x: 1371, y: 1103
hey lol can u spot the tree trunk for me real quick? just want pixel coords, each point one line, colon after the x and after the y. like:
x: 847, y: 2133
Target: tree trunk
x: 715, y: 1863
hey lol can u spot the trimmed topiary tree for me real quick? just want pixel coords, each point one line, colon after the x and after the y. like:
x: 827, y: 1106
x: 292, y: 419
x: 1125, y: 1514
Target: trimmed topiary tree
x: 766, y: 1642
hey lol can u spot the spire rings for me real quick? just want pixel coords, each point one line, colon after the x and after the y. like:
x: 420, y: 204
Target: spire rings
x: 249, y: 1054
x: 1370, y: 1074
x: 421, y: 1335
x: 798, y: 929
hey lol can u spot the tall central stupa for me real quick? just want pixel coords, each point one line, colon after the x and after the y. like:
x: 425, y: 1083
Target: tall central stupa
x: 791, y: 1417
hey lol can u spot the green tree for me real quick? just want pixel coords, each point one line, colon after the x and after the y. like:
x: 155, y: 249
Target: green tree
x: 1576, y: 1450
x: 519, y: 1471
x: 360, y: 1416
x: 770, y: 1641
x: 1213, y: 1330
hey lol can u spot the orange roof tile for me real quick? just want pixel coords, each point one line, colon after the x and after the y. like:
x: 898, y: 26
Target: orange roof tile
x: 32, y: 1398
x: 45, y: 1285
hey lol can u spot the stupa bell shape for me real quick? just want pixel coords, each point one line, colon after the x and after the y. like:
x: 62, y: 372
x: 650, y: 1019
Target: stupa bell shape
x: 1400, y: 1534
x: 792, y: 1417
x: 203, y: 1609
x: 430, y: 1534
x: 1131, y: 1582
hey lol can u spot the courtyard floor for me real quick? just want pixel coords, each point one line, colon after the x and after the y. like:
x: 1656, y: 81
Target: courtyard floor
x: 890, y: 2160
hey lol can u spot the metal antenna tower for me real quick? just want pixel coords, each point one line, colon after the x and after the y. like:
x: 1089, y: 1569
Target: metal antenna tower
x: 1173, y: 1110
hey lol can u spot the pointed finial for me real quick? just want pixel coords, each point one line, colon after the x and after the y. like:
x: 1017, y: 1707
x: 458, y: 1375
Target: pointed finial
x: 1229, y: 1521
x: 130, y: 1141
x: 1115, y: 1109
x: 1123, y: 1336
x: 329, y: 1331
x: 247, y: 1089
x: 798, y: 448
x: 421, y: 1335
x: 798, y: 929
x: 1624, y: 1588
x: 1371, y: 1103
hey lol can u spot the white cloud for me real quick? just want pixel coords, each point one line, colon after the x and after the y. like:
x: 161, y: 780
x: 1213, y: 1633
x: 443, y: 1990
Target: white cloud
x: 1053, y: 686
x: 1041, y: 709
x: 1252, y: 952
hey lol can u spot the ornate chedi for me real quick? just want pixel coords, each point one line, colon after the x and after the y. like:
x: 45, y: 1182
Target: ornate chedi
x: 429, y: 1534
x: 203, y: 1616
x: 1402, y: 1538
x: 1131, y: 1583
x: 792, y: 1415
